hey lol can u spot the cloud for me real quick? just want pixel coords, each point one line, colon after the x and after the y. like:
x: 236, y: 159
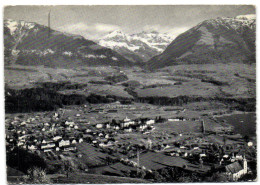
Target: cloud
x: 177, y: 31
x: 105, y: 27
x: 89, y: 31
x: 174, y: 32
x: 97, y: 30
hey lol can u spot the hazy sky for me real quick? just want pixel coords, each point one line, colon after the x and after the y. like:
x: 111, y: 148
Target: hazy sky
x: 93, y: 22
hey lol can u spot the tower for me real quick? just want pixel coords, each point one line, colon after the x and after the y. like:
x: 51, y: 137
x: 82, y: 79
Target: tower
x: 201, y: 162
x: 245, y: 165
x: 49, y: 23
x: 203, y: 126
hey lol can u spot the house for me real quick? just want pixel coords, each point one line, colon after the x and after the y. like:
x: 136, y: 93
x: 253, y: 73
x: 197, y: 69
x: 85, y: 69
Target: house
x: 88, y: 131
x: 149, y: 122
x: 32, y: 147
x: 124, y: 124
x: 56, y: 138
x: 69, y: 148
x: 99, y: 125
x: 20, y: 143
x: 173, y: 119
x: 49, y: 145
x: 74, y: 141
x: 127, y: 119
x: 64, y: 143
x: 107, y: 136
x: 46, y: 124
x: 23, y: 123
x: 203, y: 155
x: 46, y: 141
x: 69, y: 123
x: 47, y: 150
x: 129, y: 129
x: 236, y: 170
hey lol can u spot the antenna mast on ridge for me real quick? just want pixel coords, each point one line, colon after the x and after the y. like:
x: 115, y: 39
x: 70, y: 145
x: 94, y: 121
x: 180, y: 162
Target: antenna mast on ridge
x: 49, y: 23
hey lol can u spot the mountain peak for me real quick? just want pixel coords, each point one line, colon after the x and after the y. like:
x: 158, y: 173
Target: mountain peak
x: 60, y: 48
x: 115, y: 33
x: 138, y: 47
x: 246, y: 17
x: 223, y: 39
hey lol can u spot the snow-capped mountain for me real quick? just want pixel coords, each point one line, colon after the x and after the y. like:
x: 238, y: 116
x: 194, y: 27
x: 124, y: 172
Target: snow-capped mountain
x: 28, y: 43
x: 138, y: 47
x: 212, y: 41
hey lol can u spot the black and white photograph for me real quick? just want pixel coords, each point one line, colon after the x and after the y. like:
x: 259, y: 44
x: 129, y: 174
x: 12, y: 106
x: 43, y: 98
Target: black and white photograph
x: 112, y: 94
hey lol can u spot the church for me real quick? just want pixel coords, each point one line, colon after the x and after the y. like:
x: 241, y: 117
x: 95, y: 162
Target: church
x: 236, y: 170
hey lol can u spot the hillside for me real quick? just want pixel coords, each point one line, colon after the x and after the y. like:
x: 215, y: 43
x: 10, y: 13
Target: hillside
x: 33, y: 44
x: 138, y: 47
x: 221, y: 40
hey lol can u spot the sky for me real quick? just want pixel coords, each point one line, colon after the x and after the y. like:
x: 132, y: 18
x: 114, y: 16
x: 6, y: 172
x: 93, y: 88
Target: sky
x: 93, y: 22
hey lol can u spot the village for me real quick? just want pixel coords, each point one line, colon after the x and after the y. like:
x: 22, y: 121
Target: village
x: 130, y: 141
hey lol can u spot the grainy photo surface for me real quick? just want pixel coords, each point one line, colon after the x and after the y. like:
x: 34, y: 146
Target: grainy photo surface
x: 130, y: 94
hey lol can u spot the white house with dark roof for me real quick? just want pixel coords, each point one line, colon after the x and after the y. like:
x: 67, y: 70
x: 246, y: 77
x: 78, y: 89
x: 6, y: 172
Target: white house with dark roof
x: 64, y: 143
x: 236, y: 170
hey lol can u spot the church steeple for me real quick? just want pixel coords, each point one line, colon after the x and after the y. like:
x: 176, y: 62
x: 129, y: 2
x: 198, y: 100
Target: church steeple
x: 245, y: 164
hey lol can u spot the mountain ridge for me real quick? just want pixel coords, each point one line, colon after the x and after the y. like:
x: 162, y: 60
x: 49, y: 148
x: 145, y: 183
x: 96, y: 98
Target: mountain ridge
x: 211, y: 41
x: 28, y: 43
x: 137, y: 47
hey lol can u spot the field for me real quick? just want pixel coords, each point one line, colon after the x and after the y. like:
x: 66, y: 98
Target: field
x: 237, y: 80
x: 244, y: 124
x: 179, y: 126
x: 151, y: 161
x: 90, y: 155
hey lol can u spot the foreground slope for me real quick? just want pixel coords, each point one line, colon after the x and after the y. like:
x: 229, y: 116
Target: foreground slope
x: 218, y: 40
x: 33, y: 44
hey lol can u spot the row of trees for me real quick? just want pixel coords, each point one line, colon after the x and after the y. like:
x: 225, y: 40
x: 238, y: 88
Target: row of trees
x: 47, y: 99
x: 168, y: 174
x: 242, y: 104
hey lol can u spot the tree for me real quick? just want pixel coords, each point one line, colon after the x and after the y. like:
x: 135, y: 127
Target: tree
x: 141, y: 174
x: 68, y: 167
x: 158, y: 177
x: 36, y: 175
x: 165, y: 173
x: 246, y: 138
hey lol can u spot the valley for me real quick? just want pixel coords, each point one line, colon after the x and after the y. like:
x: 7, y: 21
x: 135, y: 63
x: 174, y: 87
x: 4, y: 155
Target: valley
x: 98, y: 101
x: 131, y: 108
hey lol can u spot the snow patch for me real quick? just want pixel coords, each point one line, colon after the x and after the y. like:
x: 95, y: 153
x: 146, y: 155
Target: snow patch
x: 246, y: 17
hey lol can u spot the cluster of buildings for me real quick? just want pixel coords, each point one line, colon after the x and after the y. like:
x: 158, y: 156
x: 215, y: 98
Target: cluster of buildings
x: 33, y: 135
x: 229, y: 160
x: 60, y: 135
x: 128, y: 125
